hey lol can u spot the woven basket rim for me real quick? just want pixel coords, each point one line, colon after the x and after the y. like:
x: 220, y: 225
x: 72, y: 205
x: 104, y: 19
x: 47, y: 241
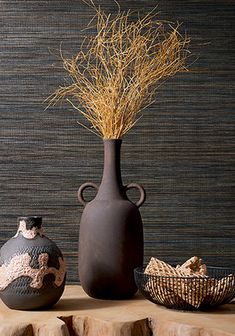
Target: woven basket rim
x: 140, y: 270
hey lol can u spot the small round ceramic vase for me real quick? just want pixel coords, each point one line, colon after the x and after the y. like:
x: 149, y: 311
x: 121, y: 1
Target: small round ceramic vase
x: 32, y: 268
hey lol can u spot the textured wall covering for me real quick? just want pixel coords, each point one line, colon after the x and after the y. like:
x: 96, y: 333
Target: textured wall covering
x: 181, y: 150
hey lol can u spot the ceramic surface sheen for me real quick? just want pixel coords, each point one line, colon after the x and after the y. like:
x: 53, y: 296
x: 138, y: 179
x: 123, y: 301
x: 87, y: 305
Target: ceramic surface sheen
x: 32, y: 271
x: 111, y: 234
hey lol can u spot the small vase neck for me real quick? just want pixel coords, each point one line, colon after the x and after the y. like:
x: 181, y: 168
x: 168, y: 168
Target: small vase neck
x: 29, y: 227
x: 111, y: 185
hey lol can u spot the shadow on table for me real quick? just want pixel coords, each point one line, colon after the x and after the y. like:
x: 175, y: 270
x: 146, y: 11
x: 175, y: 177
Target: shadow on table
x: 226, y: 309
x: 87, y: 303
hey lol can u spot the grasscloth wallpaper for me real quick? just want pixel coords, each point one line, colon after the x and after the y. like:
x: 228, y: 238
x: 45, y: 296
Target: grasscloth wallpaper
x: 182, y: 150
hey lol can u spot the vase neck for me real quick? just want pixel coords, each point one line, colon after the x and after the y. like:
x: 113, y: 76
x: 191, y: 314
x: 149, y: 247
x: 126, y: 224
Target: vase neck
x: 111, y: 185
x: 29, y: 227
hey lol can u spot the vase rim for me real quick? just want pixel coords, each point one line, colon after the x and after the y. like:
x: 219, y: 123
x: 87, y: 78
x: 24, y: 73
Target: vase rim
x: 30, y: 217
x: 112, y: 140
x: 31, y: 221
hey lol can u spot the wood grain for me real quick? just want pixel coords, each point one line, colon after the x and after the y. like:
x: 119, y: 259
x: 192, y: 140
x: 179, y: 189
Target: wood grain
x: 182, y: 150
x: 76, y: 314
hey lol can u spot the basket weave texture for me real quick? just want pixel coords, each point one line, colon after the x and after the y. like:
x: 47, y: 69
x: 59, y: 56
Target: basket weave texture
x: 189, y: 286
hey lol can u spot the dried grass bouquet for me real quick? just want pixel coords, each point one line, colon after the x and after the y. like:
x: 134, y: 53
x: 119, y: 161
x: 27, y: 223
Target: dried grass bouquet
x: 116, y: 73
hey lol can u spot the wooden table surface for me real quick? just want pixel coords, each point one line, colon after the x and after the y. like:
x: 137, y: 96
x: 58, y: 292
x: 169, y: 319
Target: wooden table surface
x: 76, y: 314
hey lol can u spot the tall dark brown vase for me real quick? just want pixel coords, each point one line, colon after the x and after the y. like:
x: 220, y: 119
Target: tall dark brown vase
x: 111, y: 233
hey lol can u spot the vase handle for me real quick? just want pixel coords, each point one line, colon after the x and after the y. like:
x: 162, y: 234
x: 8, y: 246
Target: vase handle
x: 82, y: 188
x: 141, y: 190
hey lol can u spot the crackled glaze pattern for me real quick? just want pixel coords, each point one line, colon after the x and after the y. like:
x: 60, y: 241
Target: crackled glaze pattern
x: 20, y: 266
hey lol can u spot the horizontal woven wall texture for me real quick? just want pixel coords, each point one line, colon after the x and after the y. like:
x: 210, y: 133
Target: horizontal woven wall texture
x: 182, y: 149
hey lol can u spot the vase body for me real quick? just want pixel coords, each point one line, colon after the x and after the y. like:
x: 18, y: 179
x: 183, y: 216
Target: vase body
x: 32, y: 268
x: 111, y: 233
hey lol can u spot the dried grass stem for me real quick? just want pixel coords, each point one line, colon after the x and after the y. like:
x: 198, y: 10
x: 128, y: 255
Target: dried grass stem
x: 116, y: 72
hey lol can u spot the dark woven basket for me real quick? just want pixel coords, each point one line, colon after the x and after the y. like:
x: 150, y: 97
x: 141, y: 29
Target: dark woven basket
x: 188, y: 293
